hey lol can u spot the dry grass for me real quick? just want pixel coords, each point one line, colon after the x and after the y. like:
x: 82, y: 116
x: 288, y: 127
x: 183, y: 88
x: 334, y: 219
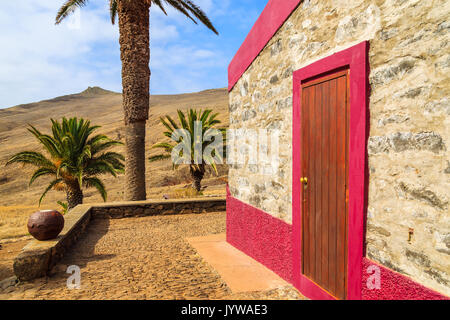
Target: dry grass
x: 184, y: 193
x: 13, y: 220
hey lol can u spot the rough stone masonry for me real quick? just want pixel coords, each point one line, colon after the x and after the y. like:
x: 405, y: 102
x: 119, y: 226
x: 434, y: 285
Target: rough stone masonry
x: 409, y: 122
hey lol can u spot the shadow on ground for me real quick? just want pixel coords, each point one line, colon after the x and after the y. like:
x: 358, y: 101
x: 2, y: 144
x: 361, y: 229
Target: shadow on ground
x: 5, y: 272
x: 83, y: 252
x: 8, y: 252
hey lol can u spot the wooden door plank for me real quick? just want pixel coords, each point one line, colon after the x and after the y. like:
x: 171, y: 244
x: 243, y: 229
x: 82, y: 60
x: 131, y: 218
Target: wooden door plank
x: 311, y: 184
x: 325, y: 179
x: 341, y: 185
x: 332, y: 243
x: 305, y: 169
x: 317, y: 181
x: 325, y: 78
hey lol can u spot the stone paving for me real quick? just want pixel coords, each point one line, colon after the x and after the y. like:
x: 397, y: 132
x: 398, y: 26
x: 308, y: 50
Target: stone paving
x: 141, y: 258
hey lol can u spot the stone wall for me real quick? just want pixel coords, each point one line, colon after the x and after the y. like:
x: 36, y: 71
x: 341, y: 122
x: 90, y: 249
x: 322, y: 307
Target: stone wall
x: 37, y: 258
x: 152, y: 208
x: 409, y: 122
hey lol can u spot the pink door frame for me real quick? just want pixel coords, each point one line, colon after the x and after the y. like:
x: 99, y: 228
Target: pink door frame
x: 356, y: 60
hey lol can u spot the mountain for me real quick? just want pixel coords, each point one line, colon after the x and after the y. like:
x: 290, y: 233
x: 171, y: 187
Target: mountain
x: 103, y: 108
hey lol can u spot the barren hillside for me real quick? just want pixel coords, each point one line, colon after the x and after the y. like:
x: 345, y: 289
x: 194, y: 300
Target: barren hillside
x: 102, y: 108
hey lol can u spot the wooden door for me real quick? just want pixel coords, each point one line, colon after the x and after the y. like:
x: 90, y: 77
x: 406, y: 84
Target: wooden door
x: 324, y: 191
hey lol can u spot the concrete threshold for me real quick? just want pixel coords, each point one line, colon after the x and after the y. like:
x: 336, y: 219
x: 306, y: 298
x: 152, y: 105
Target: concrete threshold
x: 240, y: 272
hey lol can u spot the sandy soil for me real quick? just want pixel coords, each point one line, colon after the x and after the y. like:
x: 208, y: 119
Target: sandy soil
x: 8, y: 251
x: 141, y: 258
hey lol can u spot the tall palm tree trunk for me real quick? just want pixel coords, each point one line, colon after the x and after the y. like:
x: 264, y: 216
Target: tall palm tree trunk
x: 134, y: 24
x: 74, y: 194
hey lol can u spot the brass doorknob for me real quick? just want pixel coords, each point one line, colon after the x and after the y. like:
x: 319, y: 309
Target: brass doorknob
x: 304, y: 180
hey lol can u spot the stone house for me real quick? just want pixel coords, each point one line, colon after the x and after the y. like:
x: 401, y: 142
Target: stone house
x: 358, y: 207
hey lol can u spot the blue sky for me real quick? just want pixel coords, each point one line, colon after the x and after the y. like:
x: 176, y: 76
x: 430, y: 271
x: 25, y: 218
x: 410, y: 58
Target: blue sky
x: 39, y: 60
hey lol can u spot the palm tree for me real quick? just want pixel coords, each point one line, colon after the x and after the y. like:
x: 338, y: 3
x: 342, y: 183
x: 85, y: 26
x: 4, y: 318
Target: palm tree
x: 75, y: 159
x: 187, y: 137
x: 134, y: 20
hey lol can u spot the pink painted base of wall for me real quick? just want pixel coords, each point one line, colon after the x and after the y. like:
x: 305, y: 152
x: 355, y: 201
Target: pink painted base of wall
x: 395, y: 286
x: 269, y: 241
x: 264, y: 238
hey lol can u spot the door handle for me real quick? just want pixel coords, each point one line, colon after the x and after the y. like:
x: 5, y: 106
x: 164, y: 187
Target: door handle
x: 304, y: 181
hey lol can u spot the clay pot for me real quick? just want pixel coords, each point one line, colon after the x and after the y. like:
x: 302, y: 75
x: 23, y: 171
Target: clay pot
x: 45, y: 225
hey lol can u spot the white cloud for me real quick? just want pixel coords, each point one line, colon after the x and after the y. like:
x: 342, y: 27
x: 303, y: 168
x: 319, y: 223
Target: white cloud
x: 39, y: 60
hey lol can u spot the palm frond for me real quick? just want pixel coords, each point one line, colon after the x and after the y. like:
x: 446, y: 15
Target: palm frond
x: 64, y: 206
x: 212, y: 118
x: 168, y: 134
x: 180, y: 8
x: 159, y: 157
x: 98, y: 184
x: 197, y: 12
x: 210, y: 161
x: 165, y: 124
x: 160, y: 5
x: 103, y: 167
x: 110, y: 156
x: 113, y: 10
x: 41, y: 172
x: 49, y: 187
x: 163, y: 145
x: 172, y: 122
x: 30, y: 157
x: 50, y: 143
x: 182, y: 119
x: 187, y: 8
x: 98, y: 147
x: 68, y: 8
x: 97, y: 138
x: 205, y: 115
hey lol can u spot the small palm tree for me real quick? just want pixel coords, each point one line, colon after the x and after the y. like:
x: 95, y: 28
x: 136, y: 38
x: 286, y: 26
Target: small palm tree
x: 185, y: 145
x: 134, y: 29
x: 75, y: 159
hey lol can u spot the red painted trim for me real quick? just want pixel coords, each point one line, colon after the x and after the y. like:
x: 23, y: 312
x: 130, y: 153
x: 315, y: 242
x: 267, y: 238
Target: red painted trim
x: 271, y: 19
x: 355, y: 59
x: 395, y: 286
x: 266, y: 239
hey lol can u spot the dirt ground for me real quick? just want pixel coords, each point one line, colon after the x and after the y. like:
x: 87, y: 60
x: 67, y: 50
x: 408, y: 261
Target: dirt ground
x: 141, y: 258
x: 8, y: 252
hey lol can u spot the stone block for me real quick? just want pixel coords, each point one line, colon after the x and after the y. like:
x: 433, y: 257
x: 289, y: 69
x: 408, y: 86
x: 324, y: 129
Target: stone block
x: 38, y: 257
